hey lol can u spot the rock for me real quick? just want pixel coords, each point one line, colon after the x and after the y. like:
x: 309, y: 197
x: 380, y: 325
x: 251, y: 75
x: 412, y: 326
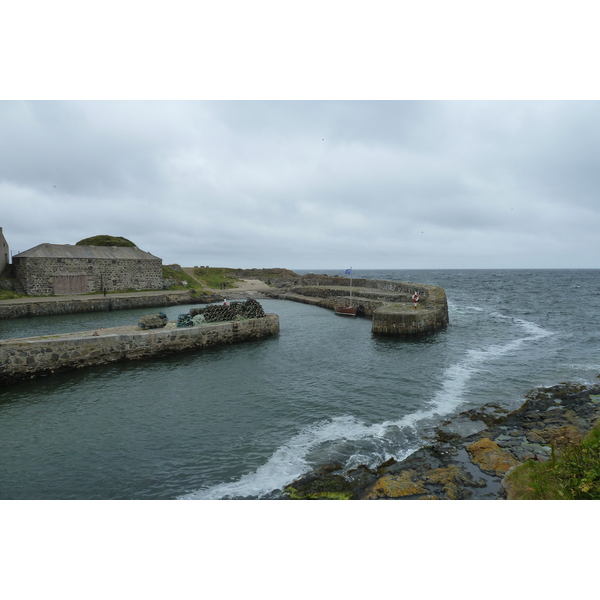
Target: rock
x: 396, y: 486
x: 459, y: 463
x: 559, y: 391
x: 459, y: 427
x: 388, y: 463
x: 508, y: 441
x: 454, y: 480
x: 527, y: 451
x: 518, y: 433
x: 535, y: 438
x: 328, y: 483
x: 507, y: 487
x: 490, y: 457
x: 490, y: 413
x: 565, y: 435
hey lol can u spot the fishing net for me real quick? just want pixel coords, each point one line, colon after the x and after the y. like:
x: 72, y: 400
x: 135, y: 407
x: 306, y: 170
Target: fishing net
x: 155, y: 321
x: 218, y: 313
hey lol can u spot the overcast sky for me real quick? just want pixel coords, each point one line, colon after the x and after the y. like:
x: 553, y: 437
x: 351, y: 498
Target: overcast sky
x: 303, y: 184
x: 309, y: 184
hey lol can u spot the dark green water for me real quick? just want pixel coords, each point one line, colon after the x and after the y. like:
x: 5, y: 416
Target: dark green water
x: 242, y: 421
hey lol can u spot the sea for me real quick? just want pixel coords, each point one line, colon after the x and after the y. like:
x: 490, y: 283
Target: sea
x: 243, y: 421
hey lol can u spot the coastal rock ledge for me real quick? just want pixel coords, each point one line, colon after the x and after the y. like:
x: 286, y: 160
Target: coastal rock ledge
x: 469, y: 455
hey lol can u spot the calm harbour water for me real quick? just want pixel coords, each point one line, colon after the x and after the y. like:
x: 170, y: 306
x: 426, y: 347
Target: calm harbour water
x: 243, y: 421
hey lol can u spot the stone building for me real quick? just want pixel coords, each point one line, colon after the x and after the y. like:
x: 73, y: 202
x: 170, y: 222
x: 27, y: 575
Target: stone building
x: 65, y: 269
x: 3, y: 251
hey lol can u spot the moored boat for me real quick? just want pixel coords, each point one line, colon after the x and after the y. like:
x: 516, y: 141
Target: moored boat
x: 348, y: 311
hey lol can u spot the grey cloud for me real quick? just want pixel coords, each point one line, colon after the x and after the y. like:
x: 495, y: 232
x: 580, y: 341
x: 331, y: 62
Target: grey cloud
x: 308, y: 184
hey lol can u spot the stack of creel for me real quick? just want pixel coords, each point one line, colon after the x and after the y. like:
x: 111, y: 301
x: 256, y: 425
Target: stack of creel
x: 219, y: 313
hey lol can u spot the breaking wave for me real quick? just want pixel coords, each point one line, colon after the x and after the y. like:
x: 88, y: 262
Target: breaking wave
x: 375, y: 443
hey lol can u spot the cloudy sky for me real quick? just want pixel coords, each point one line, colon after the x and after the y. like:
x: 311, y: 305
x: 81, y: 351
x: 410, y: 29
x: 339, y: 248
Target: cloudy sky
x: 309, y: 184
x: 367, y: 154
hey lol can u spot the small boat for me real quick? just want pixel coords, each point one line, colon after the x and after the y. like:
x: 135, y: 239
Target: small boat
x: 347, y: 311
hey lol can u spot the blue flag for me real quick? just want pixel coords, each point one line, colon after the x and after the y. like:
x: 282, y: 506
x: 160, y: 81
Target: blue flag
x: 348, y: 271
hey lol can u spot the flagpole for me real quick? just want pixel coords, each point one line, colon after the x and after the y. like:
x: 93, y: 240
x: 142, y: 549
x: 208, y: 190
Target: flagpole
x: 350, y: 282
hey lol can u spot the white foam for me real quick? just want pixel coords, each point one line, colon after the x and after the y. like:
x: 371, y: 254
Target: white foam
x: 289, y: 462
x: 533, y: 329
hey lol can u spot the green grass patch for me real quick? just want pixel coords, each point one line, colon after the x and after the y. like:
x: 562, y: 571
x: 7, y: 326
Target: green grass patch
x: 572, y: 473
x: 10, y: 295
x: 180, y: 276
x: 106, y: 240
x: 215, y: 277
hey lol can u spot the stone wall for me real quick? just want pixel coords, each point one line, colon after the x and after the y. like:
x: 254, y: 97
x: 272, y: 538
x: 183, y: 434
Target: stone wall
x: 408, y: 321
x: 39, y: 274
x: 383, y: 285
x: 31, y: 357
x: 3, y: 251
x: 403, y: 319
x: 388, y: 303
x: 64, y: 306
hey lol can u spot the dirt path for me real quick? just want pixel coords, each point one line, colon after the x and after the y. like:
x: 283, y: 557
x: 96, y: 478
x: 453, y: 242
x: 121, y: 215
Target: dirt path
x: 246, y: 288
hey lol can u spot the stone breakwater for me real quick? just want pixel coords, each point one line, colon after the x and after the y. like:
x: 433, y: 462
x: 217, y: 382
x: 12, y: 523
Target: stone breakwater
x: 469, y: 455
x: 38, y: 356
x: 388, y: 303
x: 41, y: 307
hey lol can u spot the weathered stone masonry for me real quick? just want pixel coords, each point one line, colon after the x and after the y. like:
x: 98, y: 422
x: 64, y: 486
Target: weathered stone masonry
x: 31, y: 357
x: 64, y: 306
x: 3, y: 251
x: 63, y: 269
x: 388, y: 303
x: 40, y: 274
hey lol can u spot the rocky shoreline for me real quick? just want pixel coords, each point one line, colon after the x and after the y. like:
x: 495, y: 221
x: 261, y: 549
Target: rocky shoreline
x: 470, y: 454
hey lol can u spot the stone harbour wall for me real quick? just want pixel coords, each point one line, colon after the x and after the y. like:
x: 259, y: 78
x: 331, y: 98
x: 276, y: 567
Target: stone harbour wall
x: 388, y: 303
x: 328, y: 281
x: 64, y: 306
x: 403, y: 319
x: 33, y: 357
x: 408, y: 321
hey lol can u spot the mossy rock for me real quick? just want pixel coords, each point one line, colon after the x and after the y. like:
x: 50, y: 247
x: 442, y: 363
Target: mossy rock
x: 406, y: 483
x: 326, y: 483
x: 490, y: 457
x: 454, y: 480
x: 295, y: 494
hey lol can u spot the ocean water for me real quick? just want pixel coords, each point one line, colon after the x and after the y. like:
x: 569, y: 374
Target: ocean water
x: 243, y: 421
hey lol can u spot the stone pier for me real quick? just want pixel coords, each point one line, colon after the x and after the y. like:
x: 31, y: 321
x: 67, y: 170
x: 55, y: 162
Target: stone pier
x: 65, y: 305
x: 388, y: 303
x: 26, y: 358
